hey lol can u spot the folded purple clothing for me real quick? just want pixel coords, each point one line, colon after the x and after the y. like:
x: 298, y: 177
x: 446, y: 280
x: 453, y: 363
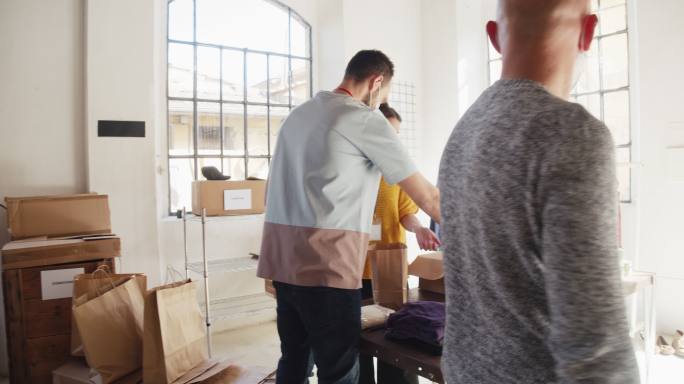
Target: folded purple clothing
x: 421, y: 320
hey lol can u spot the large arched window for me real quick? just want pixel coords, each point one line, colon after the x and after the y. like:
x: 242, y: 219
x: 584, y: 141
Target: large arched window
x: 235, y: 70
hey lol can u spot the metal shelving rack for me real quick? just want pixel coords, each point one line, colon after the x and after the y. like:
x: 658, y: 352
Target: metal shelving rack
x: 642, y: 316
x: 226, y: 308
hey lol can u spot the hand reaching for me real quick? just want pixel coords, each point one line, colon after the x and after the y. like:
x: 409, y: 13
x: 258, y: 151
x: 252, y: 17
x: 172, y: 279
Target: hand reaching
x: 427, y: 240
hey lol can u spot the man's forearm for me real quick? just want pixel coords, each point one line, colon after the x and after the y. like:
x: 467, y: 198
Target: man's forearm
x: 411, y: 223
x: 424, y: 194
x: 431, y: 204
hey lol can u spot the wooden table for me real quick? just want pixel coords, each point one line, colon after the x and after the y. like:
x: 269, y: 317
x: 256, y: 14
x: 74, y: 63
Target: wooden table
x: 403, y: 356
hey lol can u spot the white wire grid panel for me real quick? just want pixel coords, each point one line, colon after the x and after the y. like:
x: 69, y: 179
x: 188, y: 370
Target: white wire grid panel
x: 403, y: 98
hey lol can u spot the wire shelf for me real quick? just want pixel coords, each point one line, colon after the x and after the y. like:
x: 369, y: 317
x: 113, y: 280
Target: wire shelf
x: 239, y: 264
x: 241, y: 307
x: 213, y: 219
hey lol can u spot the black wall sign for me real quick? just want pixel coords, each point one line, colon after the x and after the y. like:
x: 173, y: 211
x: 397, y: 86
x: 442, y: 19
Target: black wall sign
x: 113, y: 128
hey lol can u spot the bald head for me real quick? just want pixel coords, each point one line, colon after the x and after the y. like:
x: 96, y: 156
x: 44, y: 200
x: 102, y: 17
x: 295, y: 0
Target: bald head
x: 542, y: 37
x: 541, y: 19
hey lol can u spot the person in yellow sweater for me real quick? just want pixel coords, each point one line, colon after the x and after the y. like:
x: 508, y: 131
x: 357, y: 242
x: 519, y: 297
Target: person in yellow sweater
x: 395, y: 212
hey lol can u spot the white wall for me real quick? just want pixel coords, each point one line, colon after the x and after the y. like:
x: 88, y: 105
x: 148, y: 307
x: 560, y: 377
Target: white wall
x: 452, y: 42
x: 41, y: 102
x: 661, y: 137
x: 330, y: 56
x: 123, y: 83
x: 42, y: 147
x: 394, y: 27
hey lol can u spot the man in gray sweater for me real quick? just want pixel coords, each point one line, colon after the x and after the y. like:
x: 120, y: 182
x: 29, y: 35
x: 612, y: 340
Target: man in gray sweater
x: 529, y: 198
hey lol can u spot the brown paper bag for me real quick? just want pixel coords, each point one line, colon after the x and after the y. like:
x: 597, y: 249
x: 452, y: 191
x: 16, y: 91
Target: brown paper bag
x: 389, y: 264
x: 90, y: 285
x: 175, y: 338
x: 111, y: 327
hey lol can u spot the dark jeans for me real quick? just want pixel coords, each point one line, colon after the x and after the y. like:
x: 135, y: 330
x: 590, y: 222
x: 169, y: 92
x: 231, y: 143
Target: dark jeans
x: 319, y: 322
x: 387, y: 373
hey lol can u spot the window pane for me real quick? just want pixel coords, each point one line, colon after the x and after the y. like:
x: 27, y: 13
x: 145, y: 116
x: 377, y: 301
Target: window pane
x: 180, y: 128
x: 257, y: 77
x: 614, y: 61
x: 235, y: 168
x: 300, y: 37
x: 278, y: 80
x: 616, y: 115
x: 206, y: 162
x: 208, y: 134
x: 256, y: 24
x: 233, y: 130
x: 233, y: 75
x: 180, y: 20
x: 301, y: 70
x: 181, y: 64
x: 257, y: 168
x: 277, y: 117
x: 591, y: 103
x: 589, y: 80
x: 181, y: 175
x: 208, y: 73
x: 613, y: 19
x: 257, y: 130
x: 494, y: 71
x: 624, y: 173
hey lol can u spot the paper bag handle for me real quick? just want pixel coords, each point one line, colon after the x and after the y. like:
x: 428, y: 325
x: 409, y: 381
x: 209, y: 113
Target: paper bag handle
x: 173, y: 275
x: 103, y: 269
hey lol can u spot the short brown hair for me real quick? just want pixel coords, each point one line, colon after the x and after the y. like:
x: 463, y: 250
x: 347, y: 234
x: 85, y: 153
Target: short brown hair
x: 369, y: 63
x: 389, y: 112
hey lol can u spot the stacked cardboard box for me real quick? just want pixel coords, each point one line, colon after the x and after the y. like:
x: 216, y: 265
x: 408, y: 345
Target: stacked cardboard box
x: 228, y: 198
x: 53, y: 238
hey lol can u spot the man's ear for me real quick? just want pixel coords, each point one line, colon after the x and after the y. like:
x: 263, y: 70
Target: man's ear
x: 376, y: 82
x: 589, y: 24
x: 493, y: 33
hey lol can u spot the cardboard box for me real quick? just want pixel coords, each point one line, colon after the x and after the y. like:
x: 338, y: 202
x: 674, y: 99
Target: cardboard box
x: 35, y: 253
x: 430, y: 269
x: 226, y: 198
x: 55, y: 216
x: 39, y: 325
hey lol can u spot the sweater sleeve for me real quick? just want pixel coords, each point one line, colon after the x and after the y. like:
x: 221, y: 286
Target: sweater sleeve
x: 578, y: 193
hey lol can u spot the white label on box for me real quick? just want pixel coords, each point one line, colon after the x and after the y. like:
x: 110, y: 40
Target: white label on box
x: 58, y: 283
x: 234, y: 199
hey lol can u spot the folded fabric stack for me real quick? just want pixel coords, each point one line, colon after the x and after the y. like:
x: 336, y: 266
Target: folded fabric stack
x: 419, y: 323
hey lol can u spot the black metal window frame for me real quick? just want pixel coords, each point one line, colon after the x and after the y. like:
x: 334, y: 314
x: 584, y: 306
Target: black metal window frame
x: 601, y: 92
x: 245, y: 103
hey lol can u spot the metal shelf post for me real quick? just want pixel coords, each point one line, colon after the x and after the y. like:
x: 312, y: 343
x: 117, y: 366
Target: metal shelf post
x: 185, y: 243
x: 207, y: 304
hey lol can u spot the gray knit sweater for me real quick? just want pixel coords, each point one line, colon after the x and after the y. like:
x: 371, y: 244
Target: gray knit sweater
x: 529, y: 225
